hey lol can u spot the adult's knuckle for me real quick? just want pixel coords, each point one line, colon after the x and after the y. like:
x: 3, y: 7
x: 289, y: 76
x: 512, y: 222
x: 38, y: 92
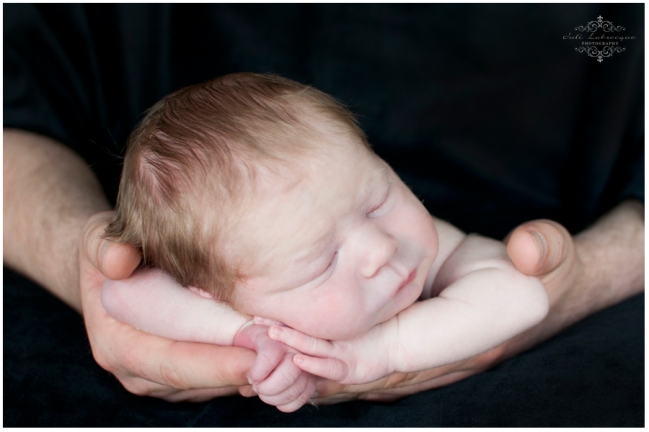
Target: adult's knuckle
x: 398, y: 379
x: 171, y: 377
x: 136, y: 386
x: 101, y: 360
x: 104, y: 361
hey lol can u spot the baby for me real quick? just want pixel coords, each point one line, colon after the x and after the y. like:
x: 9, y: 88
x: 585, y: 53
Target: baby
x: 262, y: 196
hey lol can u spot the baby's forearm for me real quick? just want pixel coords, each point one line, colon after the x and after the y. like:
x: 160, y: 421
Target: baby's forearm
x: 474, y: 314
x: 153, y: 302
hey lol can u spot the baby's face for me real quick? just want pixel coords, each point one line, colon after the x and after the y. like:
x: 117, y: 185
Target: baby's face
x: 341, y: 247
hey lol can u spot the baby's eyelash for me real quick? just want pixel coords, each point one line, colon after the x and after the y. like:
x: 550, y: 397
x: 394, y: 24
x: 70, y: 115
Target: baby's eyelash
x: 327, y: 268
x: 383, y: 201
x: 331, y: 262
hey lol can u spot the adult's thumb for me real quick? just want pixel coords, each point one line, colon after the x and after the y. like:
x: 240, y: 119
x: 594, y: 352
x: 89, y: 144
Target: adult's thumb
x: 539, y: 247
x: 114, y: 260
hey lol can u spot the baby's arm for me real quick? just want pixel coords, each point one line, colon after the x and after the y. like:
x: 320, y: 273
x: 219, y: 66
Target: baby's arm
x: 152, y: 301
x: 483, y: 301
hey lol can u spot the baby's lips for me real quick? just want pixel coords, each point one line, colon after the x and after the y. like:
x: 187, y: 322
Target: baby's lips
x: 267, y: 321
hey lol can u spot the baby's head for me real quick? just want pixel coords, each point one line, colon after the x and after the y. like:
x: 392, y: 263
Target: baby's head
x: 264, y: 193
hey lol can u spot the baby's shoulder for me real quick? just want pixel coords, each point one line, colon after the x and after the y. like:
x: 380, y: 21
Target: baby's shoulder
x: 449, y: 238
x: 461, y: 253
x: 454, y: 242
x: 475, y: 247
x: 474, y: 253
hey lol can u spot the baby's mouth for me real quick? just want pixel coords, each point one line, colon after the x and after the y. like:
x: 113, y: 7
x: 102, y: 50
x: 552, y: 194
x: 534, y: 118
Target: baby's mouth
x: 409, y: 279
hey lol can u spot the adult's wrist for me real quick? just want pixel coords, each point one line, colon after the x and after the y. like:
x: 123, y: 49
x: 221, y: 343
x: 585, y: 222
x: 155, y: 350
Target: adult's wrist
x: 612, y: 256
x: 600, y: 267
x: 46, y: 206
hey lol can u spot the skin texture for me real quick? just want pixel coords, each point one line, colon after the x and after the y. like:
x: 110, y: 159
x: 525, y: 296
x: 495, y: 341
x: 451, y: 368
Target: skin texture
x: 53, y: 222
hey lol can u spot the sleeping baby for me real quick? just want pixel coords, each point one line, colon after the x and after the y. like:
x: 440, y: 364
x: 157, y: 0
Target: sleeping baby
x: 266, y: 221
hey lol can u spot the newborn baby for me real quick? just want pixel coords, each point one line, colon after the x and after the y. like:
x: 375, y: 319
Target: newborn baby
x: 263, y: 198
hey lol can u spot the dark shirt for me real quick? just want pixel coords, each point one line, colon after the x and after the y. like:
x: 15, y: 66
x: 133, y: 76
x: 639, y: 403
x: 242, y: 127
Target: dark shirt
x: 486, y: 111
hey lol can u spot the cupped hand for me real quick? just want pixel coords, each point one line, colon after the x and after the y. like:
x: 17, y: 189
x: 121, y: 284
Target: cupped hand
x: 144, y: 364
x: 539, y: 248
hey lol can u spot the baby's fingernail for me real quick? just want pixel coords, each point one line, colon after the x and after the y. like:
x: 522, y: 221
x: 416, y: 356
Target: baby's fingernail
x: 298, y: 360
x: 276, y: 330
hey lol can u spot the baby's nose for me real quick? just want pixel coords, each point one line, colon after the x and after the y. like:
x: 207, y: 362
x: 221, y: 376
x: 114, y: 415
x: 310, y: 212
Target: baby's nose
x: 378, y: 251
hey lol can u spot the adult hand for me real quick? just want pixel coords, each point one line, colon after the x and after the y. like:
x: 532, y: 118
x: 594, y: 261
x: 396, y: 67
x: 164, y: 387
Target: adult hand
x: 583, y: 274
x: 47, y: 206
x: 144, y: 364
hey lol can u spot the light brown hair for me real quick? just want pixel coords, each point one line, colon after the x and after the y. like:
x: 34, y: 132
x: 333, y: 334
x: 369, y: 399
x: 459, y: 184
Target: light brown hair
x: 196, y: 152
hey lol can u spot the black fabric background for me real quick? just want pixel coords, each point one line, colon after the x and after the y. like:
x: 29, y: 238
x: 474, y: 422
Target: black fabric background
x: 485, y: 111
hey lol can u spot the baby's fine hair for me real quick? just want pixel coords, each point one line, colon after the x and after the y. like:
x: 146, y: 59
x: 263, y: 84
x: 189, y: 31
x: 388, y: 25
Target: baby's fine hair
x: 195, y: 154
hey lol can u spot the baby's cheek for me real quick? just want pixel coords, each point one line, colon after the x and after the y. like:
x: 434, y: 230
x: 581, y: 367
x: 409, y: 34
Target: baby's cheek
x: 333, y: 316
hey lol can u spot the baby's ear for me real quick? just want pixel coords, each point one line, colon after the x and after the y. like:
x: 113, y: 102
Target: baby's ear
x: 200, y: 292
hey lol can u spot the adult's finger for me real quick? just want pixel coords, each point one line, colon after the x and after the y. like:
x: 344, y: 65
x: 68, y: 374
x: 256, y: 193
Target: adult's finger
x: 142, y: 387
x: 539, y: 247
x: 114, y: 260
x: 200, y: 395
x: 190, y: 365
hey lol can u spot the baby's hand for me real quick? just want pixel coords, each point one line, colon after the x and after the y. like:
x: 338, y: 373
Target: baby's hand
x: 274, y: 376
x: 361, y: 360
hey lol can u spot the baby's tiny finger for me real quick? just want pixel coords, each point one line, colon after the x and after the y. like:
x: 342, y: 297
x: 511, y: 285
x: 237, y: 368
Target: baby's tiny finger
x: 300, y: 341
x: 329, y: 368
